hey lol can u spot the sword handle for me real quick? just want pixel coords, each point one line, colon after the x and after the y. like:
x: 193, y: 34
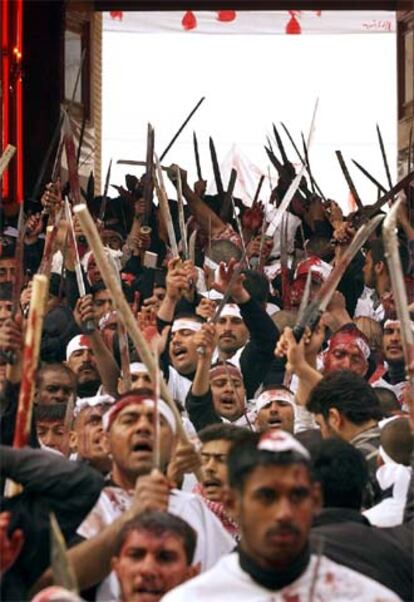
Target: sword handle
x: 312, y: 323
x: 298, y: 331
x: 88, y: 326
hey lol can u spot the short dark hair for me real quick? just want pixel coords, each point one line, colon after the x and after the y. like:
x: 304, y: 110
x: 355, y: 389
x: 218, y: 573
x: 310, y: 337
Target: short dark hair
x: 349, y: 393
x: 388, y: 400
x: 397, y: 440
x: 98, y: 287
x: 224, y: 250
x: 223, y: 431
x: 342, y: 472
x: 244, y: 458
x: 159, y: 523
x: 49, y: 413
x: 376, y: 247
x: 57, y: 367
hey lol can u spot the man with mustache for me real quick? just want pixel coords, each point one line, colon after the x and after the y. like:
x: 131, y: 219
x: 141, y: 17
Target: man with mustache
x: 394, y: 378
x: 274, y: 498
x: 81, y: 360
x: 131, y: 441
x: 216, y: 441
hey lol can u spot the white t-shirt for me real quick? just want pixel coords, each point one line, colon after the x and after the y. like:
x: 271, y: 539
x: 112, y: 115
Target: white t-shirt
x: 213, y: 541
x: 178, y: 385
x: 227, y: 582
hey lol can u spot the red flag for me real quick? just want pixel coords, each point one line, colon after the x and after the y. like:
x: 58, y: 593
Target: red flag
x: 225, y: 16
x: 293, y: 27
x: 189, y: 21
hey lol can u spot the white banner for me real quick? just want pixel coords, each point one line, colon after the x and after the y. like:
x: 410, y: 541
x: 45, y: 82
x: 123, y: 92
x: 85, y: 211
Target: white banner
x: 252, y: 22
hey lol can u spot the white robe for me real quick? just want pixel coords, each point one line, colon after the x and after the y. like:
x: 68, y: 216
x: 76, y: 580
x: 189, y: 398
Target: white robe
x: 213, y: 541
x: 227, y: 582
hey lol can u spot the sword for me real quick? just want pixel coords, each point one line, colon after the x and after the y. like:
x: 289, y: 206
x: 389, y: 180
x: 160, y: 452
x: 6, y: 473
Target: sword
x: 305, y: 298
x: 371, y: 210
x: 348, y: 179
x: 181, y: 218
x: 164, y: 206
x: 88, y: 326
x: 228, y: 196
x: 389, y: 234
x: 71, y: 159
x: 258, y: 189
x: 81, y: 137
x: 180, y: 129
x: 321, y: 300
x: 284, y: 263
x: 384, y: 156
x: 104, y: 201
x: 62, y: 569
x: 149, y: 179
x: 369, y: 176
x: 308, y: 167
x: 138, y: 163
x: 197, y: 157
x: 216, y: 169
x: 280, y: 145
x: 302, y: 160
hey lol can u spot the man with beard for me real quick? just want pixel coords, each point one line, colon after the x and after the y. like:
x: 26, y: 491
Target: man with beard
x: 273, y: 495
x: 81, y: 360
x: 275, y: 409
x: 345, y: 406
x: 246, y: 334
x: 154, y: 553
x: 131, y: 441
x: 377, y: 278
x: 216, y: 441
x: 86, y: 434
x: 395, y: 377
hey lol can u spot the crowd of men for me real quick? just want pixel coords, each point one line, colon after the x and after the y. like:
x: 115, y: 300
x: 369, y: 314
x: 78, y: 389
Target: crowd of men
x: 278, y: 467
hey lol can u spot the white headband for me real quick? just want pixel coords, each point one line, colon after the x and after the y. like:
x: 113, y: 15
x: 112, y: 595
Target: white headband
x: 81, y: 341
x: 396, y: 324
x: 91, y: 402
x: 162, y: 408
x: 136, y: 367
x: 210, y: 263
x: 231, y: 309
x: 274, y: 395
x: 185, y: 324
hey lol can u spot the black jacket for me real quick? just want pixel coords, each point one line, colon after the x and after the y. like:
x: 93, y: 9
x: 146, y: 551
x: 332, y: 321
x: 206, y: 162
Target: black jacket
x: 51, y: 484
x: 385, y: 555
